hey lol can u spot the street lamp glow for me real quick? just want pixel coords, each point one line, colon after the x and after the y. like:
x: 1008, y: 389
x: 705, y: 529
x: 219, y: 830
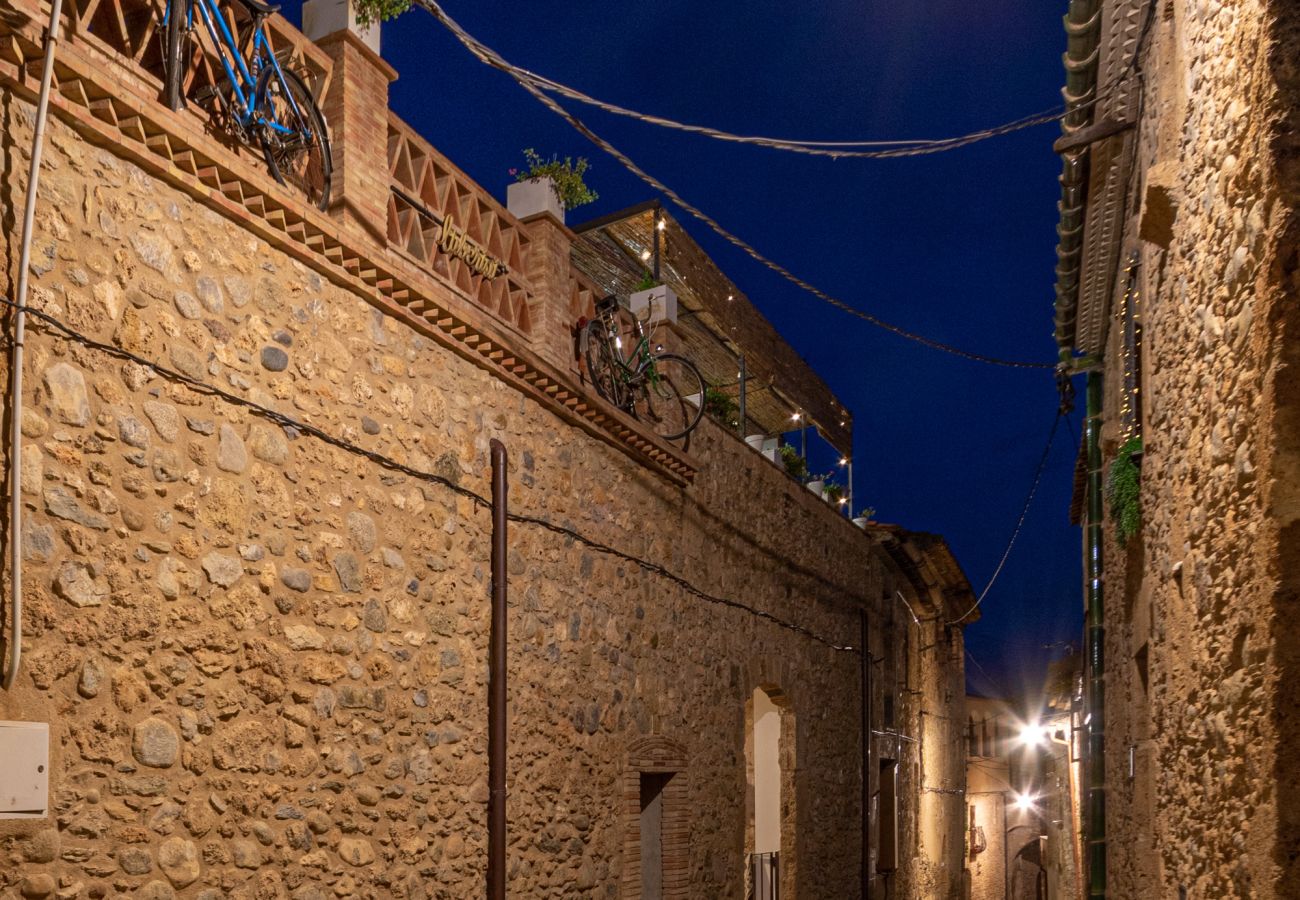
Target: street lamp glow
x: 1024, y: 802
x: 1033, y: 735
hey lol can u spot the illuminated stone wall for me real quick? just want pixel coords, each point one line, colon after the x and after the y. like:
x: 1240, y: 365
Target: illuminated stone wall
x: 1201, y: 612
x: 263, y: 658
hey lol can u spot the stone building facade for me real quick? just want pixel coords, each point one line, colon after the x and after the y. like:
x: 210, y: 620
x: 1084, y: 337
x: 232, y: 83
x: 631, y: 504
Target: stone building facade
x: 262, y: 654
x: 1180, y: 290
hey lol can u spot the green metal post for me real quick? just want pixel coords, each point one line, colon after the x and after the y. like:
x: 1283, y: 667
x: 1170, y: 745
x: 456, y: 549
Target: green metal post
x: 1096, y: 700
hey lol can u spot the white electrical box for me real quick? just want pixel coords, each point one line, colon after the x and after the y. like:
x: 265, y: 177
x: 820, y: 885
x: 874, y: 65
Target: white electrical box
x: 24, y: 770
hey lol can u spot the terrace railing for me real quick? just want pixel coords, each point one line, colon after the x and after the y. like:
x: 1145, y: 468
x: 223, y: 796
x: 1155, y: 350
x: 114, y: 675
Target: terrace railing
x: 451, y: 226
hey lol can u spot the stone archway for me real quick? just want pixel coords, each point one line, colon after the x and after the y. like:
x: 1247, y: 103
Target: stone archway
x: 770, y: 787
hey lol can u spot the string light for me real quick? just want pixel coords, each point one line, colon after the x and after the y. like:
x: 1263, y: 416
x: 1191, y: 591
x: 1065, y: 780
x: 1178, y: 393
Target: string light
x: 844, y: 460
x: 1129, y: 318
x: 645, y: 255
x: 662, y: 225
x: 796, y: 417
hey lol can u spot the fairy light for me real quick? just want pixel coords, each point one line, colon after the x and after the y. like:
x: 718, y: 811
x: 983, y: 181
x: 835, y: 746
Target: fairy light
x: 796, y: 417
x: 1129, y: 319
x: 662, y: 225
x: 645, y: 256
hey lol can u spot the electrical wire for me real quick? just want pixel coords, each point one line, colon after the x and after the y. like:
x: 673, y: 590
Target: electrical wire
x: 1024, y: 511
x: 387, y: 462
x: 835, y: 149
x: 493, y: 59
x: 893, y: 149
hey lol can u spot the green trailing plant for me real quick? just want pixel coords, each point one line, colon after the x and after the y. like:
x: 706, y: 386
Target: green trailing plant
x: 371, y: 11
x: 646, y: 283
x: 566, y: 175
x: 719, y: 405
x: 1123, y: 490
x: 867, y: 512
x: 833, y: 492
x: 795, y: 465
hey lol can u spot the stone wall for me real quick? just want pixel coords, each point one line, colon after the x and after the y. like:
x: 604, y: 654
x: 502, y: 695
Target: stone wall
x: 1202, y: 637
x: 263, y: 657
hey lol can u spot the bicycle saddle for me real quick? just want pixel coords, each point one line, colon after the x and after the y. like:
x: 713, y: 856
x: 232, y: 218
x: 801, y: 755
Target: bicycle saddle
x: 260, y: 8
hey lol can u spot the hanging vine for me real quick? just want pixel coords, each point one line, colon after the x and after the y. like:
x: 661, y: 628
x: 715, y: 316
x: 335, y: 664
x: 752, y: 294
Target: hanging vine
x: 1123, y: 490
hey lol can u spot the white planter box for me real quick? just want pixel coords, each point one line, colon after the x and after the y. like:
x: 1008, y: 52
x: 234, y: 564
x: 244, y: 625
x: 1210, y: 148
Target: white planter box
x: 816, y: 486
x: 661, y: 302
x: 861, y: 522
x: 321, y: 18
x: 763, y: 444
x: 528, y: 198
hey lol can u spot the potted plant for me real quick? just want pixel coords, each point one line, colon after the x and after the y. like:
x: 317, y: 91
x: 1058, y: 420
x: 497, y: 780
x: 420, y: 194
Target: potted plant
x: 795, y: 465
x: 719, y: 404
x: 832, y: 493
x: 865, y: 515
x: 548, y: 185
x: 653, y: 301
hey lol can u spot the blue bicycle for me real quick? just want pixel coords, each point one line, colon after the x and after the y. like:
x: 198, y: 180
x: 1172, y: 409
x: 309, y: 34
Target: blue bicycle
x: 262, y: 103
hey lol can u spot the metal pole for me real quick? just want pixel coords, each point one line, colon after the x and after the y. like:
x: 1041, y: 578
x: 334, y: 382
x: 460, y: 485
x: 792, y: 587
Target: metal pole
x: 16, y: 370
x: 850, y: 467
x: 496, y: 873
x: 866, y: 755
x: 658, y: 218
x: 741, y: 380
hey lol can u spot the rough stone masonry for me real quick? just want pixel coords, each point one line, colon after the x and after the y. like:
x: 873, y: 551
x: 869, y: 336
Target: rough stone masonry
x: 263, y: 659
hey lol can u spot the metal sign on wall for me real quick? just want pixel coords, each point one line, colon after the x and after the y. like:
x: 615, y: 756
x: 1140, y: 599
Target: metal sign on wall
x: 455, y: 242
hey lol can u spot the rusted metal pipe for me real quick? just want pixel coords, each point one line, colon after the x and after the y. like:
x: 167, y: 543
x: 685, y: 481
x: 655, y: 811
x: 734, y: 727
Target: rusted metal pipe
x: 866, y: 757
x: 496, y: 872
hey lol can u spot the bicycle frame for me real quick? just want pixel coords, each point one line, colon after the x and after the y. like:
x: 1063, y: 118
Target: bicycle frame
x: 227, y: 49
x: 640, y: 354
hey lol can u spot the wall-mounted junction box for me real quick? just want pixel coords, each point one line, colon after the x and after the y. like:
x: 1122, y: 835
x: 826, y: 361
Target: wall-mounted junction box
x: 24, y: 770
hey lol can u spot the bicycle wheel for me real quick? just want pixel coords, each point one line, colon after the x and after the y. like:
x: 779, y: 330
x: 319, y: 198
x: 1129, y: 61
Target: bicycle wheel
x: 669, y: 395
x: 602, y: 364
x: 299, y: 156
x: 175, y: 52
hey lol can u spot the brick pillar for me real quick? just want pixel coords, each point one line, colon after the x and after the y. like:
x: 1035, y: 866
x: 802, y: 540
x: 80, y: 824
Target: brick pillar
x: 550, y: 271
x: 356, y: 107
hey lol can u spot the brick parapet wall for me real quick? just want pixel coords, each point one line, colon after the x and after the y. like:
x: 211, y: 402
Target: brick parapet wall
x: 356, y: 109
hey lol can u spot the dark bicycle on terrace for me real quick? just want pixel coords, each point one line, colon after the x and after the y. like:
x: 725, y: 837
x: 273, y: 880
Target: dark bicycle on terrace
x: 259, y: 101
x: 663, y: 390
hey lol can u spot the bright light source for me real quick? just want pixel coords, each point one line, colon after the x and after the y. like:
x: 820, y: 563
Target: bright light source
x: 843, y: 501
x: 662, y: 225
x: 1033, y: 735
x: 796, y: 417
x: 1024, y: 802
x: 731, y: 297
x: 645, y: 254
x: 844, y: 460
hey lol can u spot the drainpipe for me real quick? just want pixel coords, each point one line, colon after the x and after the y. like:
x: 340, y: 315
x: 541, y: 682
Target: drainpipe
x: 16, y: 369
x: 866, y: 757
x: 1096, y: 701
x: 497, y: 735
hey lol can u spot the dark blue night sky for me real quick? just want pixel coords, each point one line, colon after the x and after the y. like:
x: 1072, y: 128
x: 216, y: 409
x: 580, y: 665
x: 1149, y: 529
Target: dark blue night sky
x: 957, y: 246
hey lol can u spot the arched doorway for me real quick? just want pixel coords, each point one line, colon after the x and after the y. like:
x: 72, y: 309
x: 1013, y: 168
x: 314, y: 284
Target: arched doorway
x: 1027, y: 879
x: 770, y: 770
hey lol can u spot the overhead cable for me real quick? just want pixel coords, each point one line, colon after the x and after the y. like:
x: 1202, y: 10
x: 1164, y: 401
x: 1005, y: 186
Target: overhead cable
x: 882, y: 149
x: 493, y: 59
x: 387, y: 462
x: 1024, y: 511
x: 887, y: 149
